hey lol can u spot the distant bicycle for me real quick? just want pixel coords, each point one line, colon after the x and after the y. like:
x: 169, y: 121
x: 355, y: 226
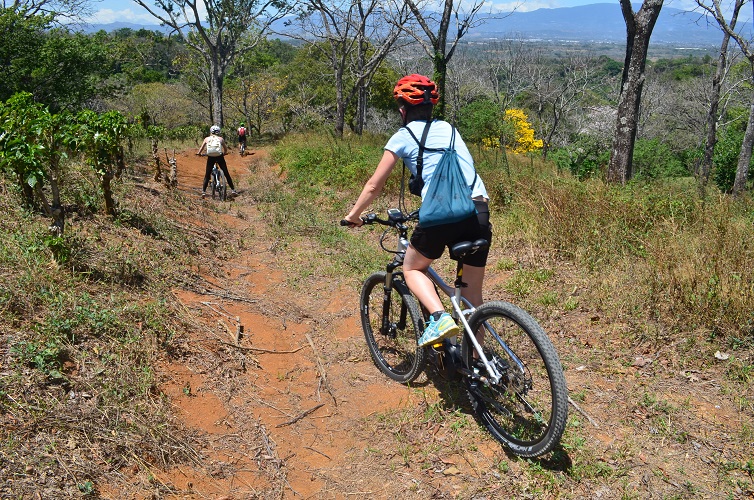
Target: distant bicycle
x: 511, y: 370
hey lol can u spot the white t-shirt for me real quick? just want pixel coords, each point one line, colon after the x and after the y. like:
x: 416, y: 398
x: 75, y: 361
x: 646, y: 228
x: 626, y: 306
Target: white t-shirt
x: 403, y: 145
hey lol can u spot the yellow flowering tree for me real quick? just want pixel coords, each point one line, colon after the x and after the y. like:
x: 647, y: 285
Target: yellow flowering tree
x: 523, y: 140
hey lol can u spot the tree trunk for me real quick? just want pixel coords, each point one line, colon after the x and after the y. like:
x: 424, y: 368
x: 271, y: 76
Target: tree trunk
x: 216, y: 94
x: 639, y: 28
x: 744, y: 158
x: 58, y: 215
x: 361, y: 110
x: 107, y: 192
x: 440, y: 76
x: 705, y: 168
x: 157, y: 163
x: 703, y: 172
x: 340, y: 103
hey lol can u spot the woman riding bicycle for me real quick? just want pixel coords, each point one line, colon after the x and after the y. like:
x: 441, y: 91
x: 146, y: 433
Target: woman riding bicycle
x: 241, y: 138
x: 215, y: 149
x: 416, y: 96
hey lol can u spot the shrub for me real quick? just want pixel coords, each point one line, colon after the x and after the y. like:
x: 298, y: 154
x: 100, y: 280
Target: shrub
x: 725, y: 159
x: 654, y: 159
x: 585, y: 157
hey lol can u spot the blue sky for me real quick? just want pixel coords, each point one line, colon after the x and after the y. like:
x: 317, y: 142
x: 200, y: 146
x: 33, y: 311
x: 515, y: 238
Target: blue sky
x: 110, y: 11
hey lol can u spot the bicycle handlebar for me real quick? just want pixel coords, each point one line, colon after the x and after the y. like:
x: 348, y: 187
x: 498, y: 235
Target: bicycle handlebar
x: 395, y: 217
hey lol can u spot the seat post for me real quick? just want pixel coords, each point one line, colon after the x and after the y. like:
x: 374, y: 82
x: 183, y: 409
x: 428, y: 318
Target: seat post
x: 459, y: 274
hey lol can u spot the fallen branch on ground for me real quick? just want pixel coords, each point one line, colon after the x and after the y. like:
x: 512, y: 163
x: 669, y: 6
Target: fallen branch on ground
x: 302, y: 415
x: 578, y: 409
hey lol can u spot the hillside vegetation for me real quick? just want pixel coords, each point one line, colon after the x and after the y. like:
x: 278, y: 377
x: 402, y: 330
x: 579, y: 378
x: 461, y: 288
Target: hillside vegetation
x: 651, y: 280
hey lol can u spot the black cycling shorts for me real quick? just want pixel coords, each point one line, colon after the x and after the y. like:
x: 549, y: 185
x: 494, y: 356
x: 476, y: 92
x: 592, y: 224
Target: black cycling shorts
x: 432, y: 241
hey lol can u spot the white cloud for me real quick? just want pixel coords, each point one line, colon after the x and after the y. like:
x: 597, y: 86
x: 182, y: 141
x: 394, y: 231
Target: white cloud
x: 524, y: 6
x: 107, y: 16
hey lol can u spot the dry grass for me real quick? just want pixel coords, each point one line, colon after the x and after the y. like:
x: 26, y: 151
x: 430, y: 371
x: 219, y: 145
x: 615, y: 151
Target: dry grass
x: 84, y: 320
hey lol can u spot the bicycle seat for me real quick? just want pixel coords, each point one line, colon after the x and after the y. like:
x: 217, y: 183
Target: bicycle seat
x: 466, y: 247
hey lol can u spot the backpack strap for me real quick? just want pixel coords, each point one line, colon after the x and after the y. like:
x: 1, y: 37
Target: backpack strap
x: 420, y: 157
x: 453, y: 145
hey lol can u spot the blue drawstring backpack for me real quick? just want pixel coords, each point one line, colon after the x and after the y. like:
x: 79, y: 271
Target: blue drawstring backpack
x: 448, y: 197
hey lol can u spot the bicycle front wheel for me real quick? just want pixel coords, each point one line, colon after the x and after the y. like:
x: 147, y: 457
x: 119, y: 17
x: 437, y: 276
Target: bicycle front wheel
x: 392, y: 325
x: 527, y: 410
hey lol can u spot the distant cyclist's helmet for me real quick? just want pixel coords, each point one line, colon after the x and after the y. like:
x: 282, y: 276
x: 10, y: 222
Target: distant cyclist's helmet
x: 241, y: 124
x: 214, y: 129
x: 416, y: 89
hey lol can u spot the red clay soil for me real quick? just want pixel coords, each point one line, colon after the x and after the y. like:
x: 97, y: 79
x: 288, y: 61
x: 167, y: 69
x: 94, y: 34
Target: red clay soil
x: 276, y: 419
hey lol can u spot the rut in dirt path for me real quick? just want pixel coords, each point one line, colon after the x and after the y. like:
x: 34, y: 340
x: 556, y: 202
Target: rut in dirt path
x: 281, y: 403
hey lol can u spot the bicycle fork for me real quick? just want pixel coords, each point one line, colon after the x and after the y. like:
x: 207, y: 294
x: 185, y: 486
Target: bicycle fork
x: 387, y: 327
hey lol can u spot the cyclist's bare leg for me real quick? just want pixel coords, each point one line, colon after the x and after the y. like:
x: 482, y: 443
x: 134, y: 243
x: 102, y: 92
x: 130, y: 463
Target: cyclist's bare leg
x: 208, y: 172
x: 414, y: 267
x: 473, y: 276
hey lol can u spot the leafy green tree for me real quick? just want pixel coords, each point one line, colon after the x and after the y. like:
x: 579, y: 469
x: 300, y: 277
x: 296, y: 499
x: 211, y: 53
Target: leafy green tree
x: 482, y: 120
x: 102, y: 136
x: 253, y: 87
x: 31, y: 147
x: 57, y: 9
x: 20, y: 45
x: 143, y: 56
x: 654, y: 159
x: 218, y: 32
x: 61, y: 69
x: 584, y: 157
x: 726, y: 158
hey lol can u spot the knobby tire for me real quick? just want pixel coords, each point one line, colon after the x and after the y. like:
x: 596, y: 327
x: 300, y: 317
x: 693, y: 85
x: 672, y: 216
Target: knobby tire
x: 394, y: 350
x: 219, y: 184
x: 527, y: 410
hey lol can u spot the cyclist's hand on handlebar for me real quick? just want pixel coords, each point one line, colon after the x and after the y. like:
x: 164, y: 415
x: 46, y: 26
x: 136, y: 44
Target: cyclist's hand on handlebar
x: 349, y: 221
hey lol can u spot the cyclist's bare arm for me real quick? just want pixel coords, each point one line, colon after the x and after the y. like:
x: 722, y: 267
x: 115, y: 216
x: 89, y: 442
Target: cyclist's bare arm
x: 202, y: 147
x: 373, y: 187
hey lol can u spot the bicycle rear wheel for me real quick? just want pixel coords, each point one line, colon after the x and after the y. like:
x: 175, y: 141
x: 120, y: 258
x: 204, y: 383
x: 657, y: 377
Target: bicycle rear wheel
x: 392, y: 342
x: 527, y: 410
x: 222, y: 185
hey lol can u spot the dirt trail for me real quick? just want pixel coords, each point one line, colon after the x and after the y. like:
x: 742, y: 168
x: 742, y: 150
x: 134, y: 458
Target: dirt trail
x: 280, y: 381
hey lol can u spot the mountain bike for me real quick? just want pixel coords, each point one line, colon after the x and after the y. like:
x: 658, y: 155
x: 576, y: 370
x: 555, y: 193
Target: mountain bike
x: 510, y: 369
x: 217, y: 182
x: 242, y: 148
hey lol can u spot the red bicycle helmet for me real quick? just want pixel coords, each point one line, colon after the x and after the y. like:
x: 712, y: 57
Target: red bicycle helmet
x: 416, y: 89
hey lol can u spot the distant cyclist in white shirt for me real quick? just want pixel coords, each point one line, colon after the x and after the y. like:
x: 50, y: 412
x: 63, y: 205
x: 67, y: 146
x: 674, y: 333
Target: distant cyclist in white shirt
x: 212, y: 141
x: 416, y: 96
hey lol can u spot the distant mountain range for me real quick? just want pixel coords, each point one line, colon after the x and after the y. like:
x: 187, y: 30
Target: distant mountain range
x: 93, y: 28
x: 601, y: 22
x: 595, y: 23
